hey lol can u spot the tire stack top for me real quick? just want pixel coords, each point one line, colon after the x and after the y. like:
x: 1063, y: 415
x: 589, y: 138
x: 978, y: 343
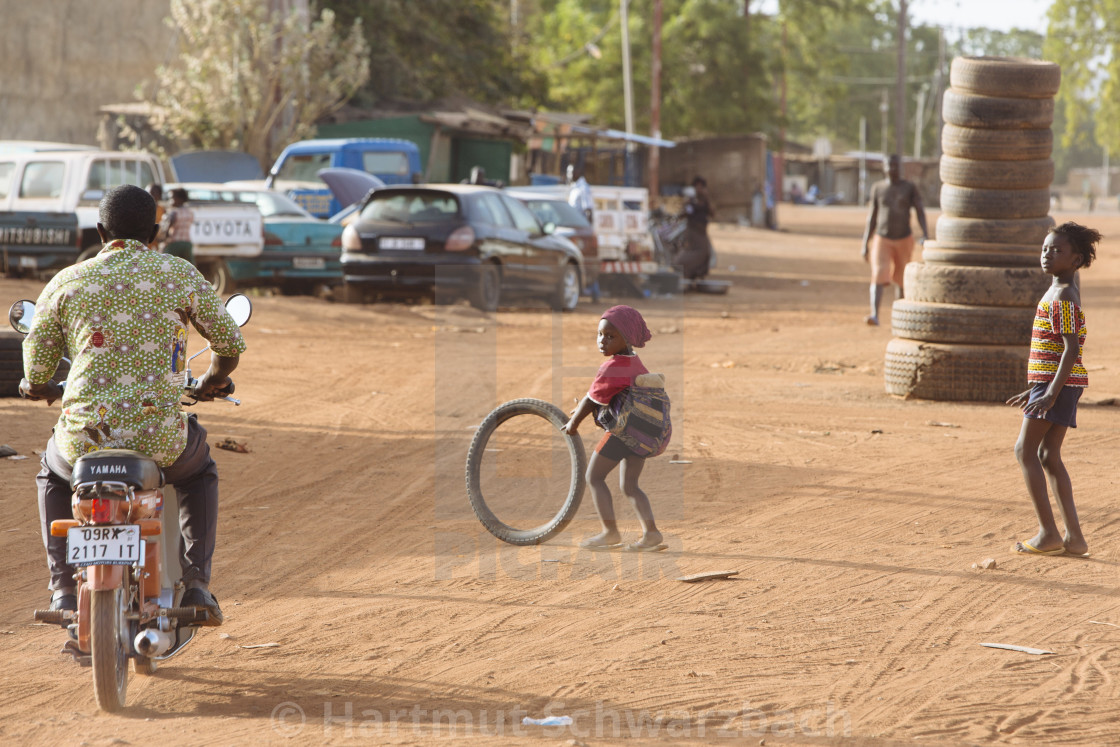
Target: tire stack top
x: 963, y: 332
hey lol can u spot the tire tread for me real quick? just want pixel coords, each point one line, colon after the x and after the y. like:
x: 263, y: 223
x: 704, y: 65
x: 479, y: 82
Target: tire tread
x: 567, y: 511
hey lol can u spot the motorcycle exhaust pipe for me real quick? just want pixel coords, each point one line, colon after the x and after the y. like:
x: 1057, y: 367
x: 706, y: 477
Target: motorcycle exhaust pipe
x: 152, y: 642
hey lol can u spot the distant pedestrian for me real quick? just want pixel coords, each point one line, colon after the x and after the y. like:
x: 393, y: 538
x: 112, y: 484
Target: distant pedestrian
x: 176, y: 227
x: 888, y: 242
x: 1057, y: 377
x: 579, y: 193
x: 156, y: 191
x: 696, y: 259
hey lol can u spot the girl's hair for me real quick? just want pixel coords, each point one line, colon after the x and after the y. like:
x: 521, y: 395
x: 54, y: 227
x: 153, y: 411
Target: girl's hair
x: 1081, y: 238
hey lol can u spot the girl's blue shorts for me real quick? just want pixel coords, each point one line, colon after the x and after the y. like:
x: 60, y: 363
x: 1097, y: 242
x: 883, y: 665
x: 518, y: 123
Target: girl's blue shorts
x: 1064, y: 411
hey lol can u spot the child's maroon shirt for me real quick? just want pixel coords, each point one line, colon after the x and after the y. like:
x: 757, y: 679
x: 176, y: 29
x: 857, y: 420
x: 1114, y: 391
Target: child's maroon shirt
x: 616, y: 374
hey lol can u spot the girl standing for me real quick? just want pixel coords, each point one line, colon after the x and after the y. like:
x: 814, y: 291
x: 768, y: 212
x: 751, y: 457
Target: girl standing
x: 621, y: 329
x: 1057, y: 378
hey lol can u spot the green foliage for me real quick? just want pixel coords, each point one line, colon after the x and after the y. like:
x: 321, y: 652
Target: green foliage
x: 251, y: 80
x: 839, y: 74
x: 425, y: 50
x: 1081, y: 40
x: 714, y: 78
x: 982, y: 42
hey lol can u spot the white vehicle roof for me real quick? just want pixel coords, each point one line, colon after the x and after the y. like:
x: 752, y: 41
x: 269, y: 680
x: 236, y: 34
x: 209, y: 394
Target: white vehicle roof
x: 38, y: 146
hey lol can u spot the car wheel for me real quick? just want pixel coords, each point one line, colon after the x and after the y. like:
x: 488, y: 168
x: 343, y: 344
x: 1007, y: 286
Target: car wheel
x: 566, y: 297
x: 217, y: 274
x: 487, y: 289
x: 347, y: 293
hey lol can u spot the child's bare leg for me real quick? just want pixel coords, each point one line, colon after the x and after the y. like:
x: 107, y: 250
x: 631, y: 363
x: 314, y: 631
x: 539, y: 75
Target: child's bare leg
x: 597, y: 472
x: 1050, y: 453
x: 628, y: 476
x: 1027, y: 452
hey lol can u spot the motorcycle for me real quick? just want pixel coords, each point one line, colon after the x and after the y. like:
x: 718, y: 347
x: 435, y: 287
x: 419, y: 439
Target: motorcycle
x: 667, y: 232
x: 124, y: 541
x: 670, y: 242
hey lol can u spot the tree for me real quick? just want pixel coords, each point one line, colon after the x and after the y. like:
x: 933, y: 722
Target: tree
x: 994, y: 43
x: 1079, y: 38
x: 254, y: 80
x: 713, y: 79
x: 425, y: 51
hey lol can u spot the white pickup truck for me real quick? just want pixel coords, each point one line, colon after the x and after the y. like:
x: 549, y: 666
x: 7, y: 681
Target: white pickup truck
x: 72, y: 183
x: 627, y: 253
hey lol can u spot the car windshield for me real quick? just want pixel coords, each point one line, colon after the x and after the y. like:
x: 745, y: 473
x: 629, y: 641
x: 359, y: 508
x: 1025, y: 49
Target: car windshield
x: 411, y: 207
x: 558, y: 213
x: 271, y: 204
x: 304, y: 167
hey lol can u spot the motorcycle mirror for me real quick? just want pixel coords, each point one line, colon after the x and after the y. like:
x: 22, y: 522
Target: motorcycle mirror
x: 20, y: 316
x: 240, y: 308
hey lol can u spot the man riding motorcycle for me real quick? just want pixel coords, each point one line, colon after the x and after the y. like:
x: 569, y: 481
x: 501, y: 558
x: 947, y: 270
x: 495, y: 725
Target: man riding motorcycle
x: 123, y: 316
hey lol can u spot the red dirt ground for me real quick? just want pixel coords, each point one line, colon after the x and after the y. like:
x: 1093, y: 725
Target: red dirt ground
x: 854, y: 520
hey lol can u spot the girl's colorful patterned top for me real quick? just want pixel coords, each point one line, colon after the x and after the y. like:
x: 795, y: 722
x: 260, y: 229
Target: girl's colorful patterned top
x: 1052, y: 319
x: 125, y: 317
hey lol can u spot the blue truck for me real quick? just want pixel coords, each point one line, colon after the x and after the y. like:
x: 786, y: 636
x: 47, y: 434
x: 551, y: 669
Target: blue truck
x: 295, y: 172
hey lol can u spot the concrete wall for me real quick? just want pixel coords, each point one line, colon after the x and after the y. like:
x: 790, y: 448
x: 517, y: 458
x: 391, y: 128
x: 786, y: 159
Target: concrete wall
x: 62, y: 59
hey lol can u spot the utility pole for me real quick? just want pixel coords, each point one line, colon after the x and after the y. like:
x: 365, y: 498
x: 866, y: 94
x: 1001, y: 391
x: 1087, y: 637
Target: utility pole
x: 900, y: 86
x: 922, y: 93
x: 939, y: 87
x: 780, y: 161
x: 884, y: 109
x: 862, y: 160
x: 627, y: 88
x: 655, y: 108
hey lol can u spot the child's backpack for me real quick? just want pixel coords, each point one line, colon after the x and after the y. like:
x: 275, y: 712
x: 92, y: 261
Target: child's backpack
x: 639, y: 416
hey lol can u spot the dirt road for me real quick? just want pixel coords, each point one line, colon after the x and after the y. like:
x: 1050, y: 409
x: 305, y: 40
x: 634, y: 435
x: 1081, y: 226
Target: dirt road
x: 854, y: 520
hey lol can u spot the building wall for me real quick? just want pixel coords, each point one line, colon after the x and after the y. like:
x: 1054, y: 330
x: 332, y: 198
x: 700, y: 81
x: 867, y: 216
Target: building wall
x: 734, y: 167
x: 62, y: 59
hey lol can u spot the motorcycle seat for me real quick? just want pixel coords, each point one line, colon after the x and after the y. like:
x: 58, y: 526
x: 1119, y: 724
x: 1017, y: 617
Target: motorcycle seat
x: 117, y: 465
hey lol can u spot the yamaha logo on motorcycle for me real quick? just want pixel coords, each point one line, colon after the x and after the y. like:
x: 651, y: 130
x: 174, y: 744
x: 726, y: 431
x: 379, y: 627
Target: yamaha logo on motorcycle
x: 108, y: 469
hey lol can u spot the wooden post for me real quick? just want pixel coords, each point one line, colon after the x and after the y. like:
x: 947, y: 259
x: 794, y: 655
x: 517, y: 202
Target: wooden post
x: 655, y: 109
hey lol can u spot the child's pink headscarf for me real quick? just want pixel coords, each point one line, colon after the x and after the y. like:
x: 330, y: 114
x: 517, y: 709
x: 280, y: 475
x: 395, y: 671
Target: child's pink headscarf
x: 628, y: 321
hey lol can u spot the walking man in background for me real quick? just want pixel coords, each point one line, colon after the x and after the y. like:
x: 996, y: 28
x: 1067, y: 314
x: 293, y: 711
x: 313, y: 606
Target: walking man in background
x: 887, y: 240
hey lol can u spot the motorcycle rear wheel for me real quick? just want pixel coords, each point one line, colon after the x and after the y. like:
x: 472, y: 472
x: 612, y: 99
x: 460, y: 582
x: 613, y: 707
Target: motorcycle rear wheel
x: 566, y: 510
x: 108, y: 647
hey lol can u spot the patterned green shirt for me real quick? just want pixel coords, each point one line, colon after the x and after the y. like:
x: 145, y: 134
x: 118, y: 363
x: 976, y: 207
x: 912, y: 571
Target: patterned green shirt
x: 125, y: 316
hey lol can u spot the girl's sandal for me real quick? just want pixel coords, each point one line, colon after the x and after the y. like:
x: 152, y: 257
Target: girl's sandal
x: 639, y: 547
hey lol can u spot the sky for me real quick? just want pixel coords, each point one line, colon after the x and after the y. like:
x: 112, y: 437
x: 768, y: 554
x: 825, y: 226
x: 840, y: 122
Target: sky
x: 994, y: 14
x: 955, y: 15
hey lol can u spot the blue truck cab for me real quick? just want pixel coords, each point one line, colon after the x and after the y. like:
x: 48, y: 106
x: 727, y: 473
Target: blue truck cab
x: 295, y: 172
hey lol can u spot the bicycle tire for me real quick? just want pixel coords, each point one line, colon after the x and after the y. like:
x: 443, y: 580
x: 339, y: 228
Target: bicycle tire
x: 567, y: 512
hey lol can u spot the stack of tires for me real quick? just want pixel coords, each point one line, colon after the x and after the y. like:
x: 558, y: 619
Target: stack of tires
x: 963, y: 331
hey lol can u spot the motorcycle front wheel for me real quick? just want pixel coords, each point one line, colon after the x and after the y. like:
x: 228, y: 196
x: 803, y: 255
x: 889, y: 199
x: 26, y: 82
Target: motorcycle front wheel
x: 525, y: 508
x: 109, y: 647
